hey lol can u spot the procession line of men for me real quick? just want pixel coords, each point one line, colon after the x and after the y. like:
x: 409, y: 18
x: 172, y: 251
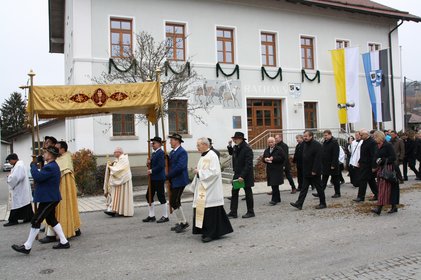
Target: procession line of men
x: 316, y: 163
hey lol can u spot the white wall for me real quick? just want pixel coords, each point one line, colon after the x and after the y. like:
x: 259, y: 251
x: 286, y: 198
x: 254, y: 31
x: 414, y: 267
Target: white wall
x: 91, y: 53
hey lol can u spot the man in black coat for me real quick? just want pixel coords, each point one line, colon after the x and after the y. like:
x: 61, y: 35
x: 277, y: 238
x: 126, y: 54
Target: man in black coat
x: 287, y: 165
x: 298, y: 160
x: 274, y: 157
x: 311, y: 171
x: 410, y: 156
x: 330, y: 162
x: 242, y: 162
x: 367, y: 163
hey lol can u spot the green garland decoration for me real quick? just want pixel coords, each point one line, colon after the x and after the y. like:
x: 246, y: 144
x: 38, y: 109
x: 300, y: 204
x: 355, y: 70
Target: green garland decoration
x: 304, y: 74
x: 168, y: 66
x: 219, y: 69
x: 112, y: 63
x: 265, y: 73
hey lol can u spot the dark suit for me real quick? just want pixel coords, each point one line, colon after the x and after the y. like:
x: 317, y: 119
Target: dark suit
x: 311, y: 164
x: 409, y: 159
x: 367, y: 162
x: 330, y: 164
x: 157, y: 165
x: 242, y: 162
x: 178, y: 175
x: 298, y: 160
x: 274, y: 177
x: 47, y: 193
x: 287, y: 165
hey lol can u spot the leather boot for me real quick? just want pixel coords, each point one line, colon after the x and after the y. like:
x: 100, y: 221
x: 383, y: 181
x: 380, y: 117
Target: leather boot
x: 377, y: 210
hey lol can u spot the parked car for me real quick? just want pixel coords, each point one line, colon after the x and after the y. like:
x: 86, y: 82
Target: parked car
x: 7, y: 166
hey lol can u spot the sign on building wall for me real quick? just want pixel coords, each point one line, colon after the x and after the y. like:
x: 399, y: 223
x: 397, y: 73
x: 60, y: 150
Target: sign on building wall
x: 294, y: 89
x: 218, y: 92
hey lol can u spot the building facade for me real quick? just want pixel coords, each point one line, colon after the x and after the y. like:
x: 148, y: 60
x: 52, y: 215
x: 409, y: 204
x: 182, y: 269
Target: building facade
x: 289, y: 35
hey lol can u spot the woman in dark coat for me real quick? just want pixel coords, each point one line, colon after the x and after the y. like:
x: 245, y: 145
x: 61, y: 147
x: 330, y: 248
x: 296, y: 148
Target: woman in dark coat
x: 274, y: 157
x: 385, y: 158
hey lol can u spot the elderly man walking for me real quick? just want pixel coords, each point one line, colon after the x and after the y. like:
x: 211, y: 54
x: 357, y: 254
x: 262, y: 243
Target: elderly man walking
x: 274, y: 158
x: 118, y: 187
x: 209, y: 217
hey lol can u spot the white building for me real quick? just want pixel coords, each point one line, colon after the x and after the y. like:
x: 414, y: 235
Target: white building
x: 291, y: 34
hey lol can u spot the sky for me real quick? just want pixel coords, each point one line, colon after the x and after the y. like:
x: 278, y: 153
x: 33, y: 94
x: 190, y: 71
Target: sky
x: 24, y: 31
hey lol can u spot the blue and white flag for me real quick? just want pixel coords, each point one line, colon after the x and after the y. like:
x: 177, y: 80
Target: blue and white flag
x: 376, y: 66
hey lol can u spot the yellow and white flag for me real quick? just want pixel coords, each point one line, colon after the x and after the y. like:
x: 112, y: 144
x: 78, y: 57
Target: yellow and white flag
x: 346, y: 68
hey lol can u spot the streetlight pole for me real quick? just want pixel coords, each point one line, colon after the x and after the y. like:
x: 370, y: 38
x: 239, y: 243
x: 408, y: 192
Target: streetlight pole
x: 405, y: 118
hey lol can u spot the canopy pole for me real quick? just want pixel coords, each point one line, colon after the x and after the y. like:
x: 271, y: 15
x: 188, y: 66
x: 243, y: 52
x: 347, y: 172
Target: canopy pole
x: 31, y: 75
x: 164, y: 140
x: 149, y: 166
x: 38, y: 139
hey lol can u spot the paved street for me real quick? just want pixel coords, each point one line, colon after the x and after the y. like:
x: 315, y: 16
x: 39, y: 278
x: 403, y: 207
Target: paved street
x: 342, y: 242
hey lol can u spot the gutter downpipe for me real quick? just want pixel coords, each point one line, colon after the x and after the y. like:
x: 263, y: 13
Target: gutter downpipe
x: 392, y: 82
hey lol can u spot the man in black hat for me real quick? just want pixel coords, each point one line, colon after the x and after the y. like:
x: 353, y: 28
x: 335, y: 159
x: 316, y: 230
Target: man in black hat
x: 156, y: 171
x: 47, y: 194
x: 242, y: 162
x: 179, y: 178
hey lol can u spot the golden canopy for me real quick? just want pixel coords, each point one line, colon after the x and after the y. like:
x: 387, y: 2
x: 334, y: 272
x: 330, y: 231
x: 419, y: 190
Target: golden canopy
x: 81, y: 100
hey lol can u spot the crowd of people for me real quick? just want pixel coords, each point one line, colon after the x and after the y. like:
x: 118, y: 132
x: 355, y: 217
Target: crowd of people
x: 373, y: 159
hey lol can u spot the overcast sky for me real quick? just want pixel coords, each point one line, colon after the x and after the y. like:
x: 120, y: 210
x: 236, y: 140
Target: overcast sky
x: 24, y: 31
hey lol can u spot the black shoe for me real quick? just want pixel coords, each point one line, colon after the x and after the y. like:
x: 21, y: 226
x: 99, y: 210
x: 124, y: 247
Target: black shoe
x: 78, y: 232
x: 248, y: 215
x: 374, y: 198
x: 47, y: 239
x: 342, y: 182
x: 401, y: 181
x: 358, y: 200
x: 321, y: 206
x: 394, y: 209
x: 109, y: 213
x: 163, y: 220
x: 206, y: 239
x: 181, y: 227
x: 8, y: 224
x: 299, y: 207
x: 174, y: 227
x: 298, y: 189
x: 21, y: 249
x: 336, y: 195
x: 294, y: 190
x: 417, y: 178
x: 42, y: 229
x: 244, y: 198
x: 315, y: 194
x: 62, y: 246
x: 232, y: 215
x: 272, y: 203
x: 149, y: 219
x: 377, y: 210
x: 229, y: 198
x: 405, y: 179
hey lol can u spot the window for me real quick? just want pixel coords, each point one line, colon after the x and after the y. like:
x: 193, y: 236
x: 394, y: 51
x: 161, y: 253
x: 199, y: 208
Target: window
x: 177, y: 116
x: 123, y: 124
x: 373, y: 47
x: 121, y: 37
x: 307, y: 53
x: 310, y: 115
x: 341, y: 44
x: 225, y: 45
x: 268, y: 49
x: 176, y: 43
